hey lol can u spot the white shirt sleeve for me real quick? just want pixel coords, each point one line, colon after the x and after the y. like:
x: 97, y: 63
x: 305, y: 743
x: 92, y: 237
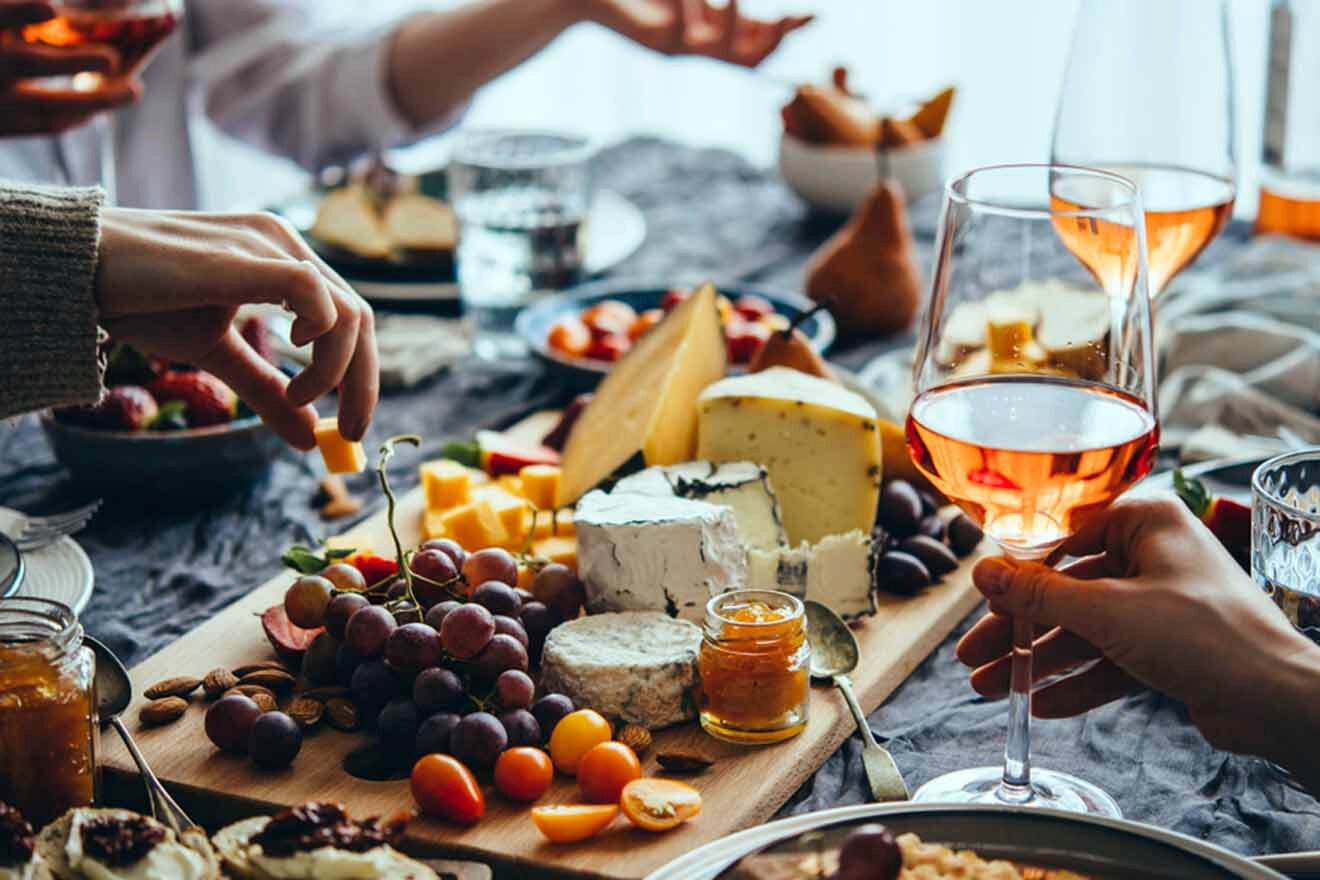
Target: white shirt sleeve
x: 283, y: 76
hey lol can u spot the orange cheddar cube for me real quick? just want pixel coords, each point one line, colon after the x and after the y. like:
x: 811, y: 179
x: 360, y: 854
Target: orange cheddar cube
x: 515, y: 516
x: 447, y: 484
x: 558, y: 549
x: 341, y: 456
x: 433, y: 525
x: 540, y: 483
x: 509, y: 483
x: 475, y: 526
x: 551, y: 523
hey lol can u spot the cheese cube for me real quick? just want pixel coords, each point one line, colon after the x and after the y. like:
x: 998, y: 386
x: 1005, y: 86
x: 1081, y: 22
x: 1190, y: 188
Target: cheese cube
x: 475, y: 526
x: 514, y: 514
x: 446, y: 482
x: 540, y: 484
x: 340, y: 455
x: 819, y: 442
x: 559, y: 549
x: 511, y: 484
x: 433, y: 525
x: 647, y: 403
x: 550, y: 523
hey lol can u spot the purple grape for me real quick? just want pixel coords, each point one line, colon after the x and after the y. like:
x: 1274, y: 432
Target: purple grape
x: 398, y: 589
x: 368, y: 629
x: 374, y: 684
x: 525, y: 595
x: 397, y: 726
x: 870, y: 853
x: 466, y: 630
x: 406, y: 612
x: 346, y: 662
x: 414, y: 647
x: 434, y: 733
x: 510, y: 627
x: 537, y: 620
x: 319, y: 661
x: 437, y: 690
x: 435, y: 615
x: 449, y: 547
x: 515, y: 689
x: 433, y: 568
x: 550, y: 709
x: 275, y: 741
x: 229, y: 722
x: 478, y: 739
x: 521, y: 728
x: 340, y: 609
x: 498, y: 598
x: 501, y: 653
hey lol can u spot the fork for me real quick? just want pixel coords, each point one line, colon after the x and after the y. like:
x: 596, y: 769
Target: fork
x: 34, y: 532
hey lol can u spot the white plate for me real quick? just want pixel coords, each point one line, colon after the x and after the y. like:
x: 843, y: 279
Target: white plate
x: 59, y: 571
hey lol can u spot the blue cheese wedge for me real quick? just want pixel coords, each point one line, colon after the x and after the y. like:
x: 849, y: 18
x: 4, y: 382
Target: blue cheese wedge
x: 640, y: 667
x: 742, y: 486
x: 648, y: 553
x: 837, y: 571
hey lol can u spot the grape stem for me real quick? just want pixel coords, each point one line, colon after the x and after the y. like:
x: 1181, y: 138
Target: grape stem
x: 386, y: 453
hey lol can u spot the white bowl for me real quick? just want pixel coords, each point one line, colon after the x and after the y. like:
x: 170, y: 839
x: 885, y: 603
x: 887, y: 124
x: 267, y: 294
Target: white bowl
x: 834, y: 179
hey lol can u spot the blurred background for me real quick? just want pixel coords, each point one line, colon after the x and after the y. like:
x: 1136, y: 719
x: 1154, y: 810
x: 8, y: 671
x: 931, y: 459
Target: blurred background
x: 1006, y: 57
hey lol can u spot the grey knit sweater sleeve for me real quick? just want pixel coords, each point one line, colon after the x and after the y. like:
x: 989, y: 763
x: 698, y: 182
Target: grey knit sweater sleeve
x: 48, y: 331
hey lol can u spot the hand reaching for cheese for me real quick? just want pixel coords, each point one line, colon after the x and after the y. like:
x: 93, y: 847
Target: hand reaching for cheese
x: 170, y: 283
x: 695, y: 27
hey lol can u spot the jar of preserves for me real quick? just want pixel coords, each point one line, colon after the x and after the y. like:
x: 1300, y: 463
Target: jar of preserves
x: 754, y: 667
x: 48, y: 724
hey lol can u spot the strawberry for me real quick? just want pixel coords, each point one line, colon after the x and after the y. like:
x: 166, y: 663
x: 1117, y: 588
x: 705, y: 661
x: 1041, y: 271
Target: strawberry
x: 124, y: 408
x: 209, y: 401
x: 1229, y: 520
x: 256, y: 334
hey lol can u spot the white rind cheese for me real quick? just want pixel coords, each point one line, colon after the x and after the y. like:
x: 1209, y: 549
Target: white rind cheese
x: 742, y: 486
x: 837, y: 571
x: 647, y: 553
x: 639, y: 667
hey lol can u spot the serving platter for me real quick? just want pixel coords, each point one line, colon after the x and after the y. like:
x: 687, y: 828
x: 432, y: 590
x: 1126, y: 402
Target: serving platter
x: 743, y: 789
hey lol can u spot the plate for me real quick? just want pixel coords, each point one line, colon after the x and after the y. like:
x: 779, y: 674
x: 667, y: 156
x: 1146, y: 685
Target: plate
x: 534, y: 321
x: 1230, y: 478
x: 1107, y: 849
x: 59, y: 571
x: 615, y: 229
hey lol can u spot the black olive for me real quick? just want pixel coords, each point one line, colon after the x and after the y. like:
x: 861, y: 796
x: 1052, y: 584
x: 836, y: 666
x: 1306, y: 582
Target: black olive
x: 938, y: 559
x: 932, y: 526
x: 899, y: 510
x: 964, y: 535
x: 928, y: 503
x: 901, y: 573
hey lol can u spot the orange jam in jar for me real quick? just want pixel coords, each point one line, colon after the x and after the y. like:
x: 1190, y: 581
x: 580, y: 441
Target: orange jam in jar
x: 48, y: 731
x: 754, y: 667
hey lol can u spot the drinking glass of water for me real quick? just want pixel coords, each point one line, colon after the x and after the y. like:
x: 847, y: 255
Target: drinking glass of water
x: 521, y: 198
x: 1285, y: 535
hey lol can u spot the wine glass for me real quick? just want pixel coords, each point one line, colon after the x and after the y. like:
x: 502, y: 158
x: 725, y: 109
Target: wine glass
x: 1148, y: 94
x: 1035, y: 396
x: 135, y: 28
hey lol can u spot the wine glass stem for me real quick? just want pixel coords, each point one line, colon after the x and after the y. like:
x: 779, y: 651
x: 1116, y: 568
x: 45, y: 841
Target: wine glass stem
x: 1016, y: 784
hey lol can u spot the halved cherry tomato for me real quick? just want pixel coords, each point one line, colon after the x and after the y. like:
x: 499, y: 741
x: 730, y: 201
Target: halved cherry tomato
x: 645, y: 321
x: 574, y: 736
x: 609, y: 317
x: 609, y: 347
x: 566, y: 823
x: 443, y: 787
x: 375, y: 569
x: 659, y: 804
x: 523, y: 773
x: 570, y: 336
x: 673, y: 297
x: 744, y: 339
x: 605, y: 769
x: 753, y: 307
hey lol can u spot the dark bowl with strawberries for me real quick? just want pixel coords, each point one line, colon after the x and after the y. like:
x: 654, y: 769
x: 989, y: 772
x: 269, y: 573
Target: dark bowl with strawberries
x: 162, y: 430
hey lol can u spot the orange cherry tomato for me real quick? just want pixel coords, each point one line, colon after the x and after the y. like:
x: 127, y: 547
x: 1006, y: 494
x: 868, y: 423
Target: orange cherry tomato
x: 443, y: 787
x: 609, y: 317
x: 673, y: 297
x: 609, y: 347
x: 570, y: 336
x: 566, y: 823
x: 605, y: 769
x: 659, y: 804
x: 645, y: 321
x: 523, y: 773
x: 574, y: 736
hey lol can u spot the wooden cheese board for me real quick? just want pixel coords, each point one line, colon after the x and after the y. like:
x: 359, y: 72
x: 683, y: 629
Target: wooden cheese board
x: 743, y: 788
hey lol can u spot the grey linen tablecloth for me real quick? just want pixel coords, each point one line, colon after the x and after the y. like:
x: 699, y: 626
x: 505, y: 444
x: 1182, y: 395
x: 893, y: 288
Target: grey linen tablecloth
x: 162, y: 571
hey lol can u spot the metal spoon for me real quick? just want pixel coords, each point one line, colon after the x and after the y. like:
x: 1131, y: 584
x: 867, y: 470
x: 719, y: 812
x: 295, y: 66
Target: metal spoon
x: 114, y: 691
x: 834, y: 654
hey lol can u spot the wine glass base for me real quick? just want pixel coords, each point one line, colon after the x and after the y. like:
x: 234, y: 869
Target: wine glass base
x: 982, y: 785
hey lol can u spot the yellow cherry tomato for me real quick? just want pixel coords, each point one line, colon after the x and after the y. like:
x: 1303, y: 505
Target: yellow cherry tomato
x: 574, y: 736
x: 659, y: 804
x: 566, y: 823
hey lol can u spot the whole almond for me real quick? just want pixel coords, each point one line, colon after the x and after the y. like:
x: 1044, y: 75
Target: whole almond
x: 635, y: 737
x: 262, y: 695
x: 265, y: 701
x: 179, y: 686
x: 218, y: 681
x: 338, y: 508
x: 240, y: 671
x: 306, y: 711
x: 341, y: 714
x: 683, y: 762
x: 273, y: 679
x: 163, y: 711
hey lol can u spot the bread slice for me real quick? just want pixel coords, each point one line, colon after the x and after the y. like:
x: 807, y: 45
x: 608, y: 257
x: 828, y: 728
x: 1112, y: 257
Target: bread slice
x: 53, y: 838
x: 233, y: 842
x: 415, y: 222
x: 347, y: 219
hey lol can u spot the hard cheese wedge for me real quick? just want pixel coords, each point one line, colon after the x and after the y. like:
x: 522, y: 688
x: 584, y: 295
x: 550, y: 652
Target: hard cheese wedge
x: 647, y: 403
x: 341, y: 456
x: 819, y: 442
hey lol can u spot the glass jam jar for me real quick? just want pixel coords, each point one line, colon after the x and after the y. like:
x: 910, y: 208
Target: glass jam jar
x: 754, y: 667
x: 48, y: 729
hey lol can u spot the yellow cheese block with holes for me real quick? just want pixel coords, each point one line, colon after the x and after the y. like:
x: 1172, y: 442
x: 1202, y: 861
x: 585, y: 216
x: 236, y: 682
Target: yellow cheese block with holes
x: 559, y: 549
x: 446, y: 483
x: 647, y: 403
x: 819, y: 442
x: 341, y: 456
x: 540, y: 484
x: 475, y: 525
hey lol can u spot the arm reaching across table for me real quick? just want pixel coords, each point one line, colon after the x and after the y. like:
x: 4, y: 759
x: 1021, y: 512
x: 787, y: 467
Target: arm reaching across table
x: 1155, y: 600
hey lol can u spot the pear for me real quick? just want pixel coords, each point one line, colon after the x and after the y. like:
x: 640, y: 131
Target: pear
x: 790, y: 348
x: 866, y: 273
